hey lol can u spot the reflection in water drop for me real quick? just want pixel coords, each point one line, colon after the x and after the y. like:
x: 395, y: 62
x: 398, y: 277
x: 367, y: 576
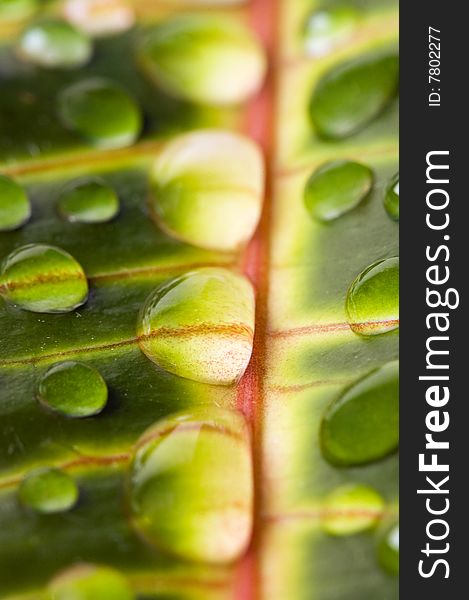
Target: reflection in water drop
x: 48, y: 491
x: 90, y: 582
x: 391, y: 198
x: 88, y: 201
x: 328, y: 28
x: 15, y: 208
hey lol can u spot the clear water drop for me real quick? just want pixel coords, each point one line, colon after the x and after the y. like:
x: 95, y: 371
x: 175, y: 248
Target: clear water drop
x: 15, y: 208
x: 362, y: 424
x: 90, y: 582
x: 44, y: 279
x: 372, y: 303
x: 88, y: 201
x: 48, y: 490
x: 101, y: 112
x: 388, y: 547
x: 73, y: 389
x: 391, y: 198
x: 328, y: 28
x: 336, y: 188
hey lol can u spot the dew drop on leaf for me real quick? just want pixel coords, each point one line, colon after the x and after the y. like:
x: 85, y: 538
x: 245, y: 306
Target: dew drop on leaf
x: 372, y: 303
x: 15, y: 208
x: 200, y: 325
x: 350, y: 509
x: 336, y: 188
x: 101, y: 112
x: 48, y: 490
x: 88, y: 201
x: 362, y: 425
x: 90, y: 582
x: 328, y: 28
x: 191, y: 488
x: 44, y: 279
x: 388, y: 547
x: 73, y: 389
x: 391, y: 198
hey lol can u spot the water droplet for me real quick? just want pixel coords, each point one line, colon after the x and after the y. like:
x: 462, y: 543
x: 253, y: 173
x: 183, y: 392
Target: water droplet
x: 362, y: 425
x: 388, y: 547
x: 328, y: 28
x: 48, y: 491
x: 15, y: 208
x: 191, y: 489
x: 90, y: 582
x: 200, y: 325
x: 391, y: 198
x: 335, y: 188
x: 372, y: 303
x: 207, y: 189
x: 88, y: 201
x: 73, y: 389
x: 350, y: 95
x: 100, y: 111
x: 53, y: 44
x: 229, y: 61
x: 100, y: 17
x: 351, y: 509
x: 43, y: 279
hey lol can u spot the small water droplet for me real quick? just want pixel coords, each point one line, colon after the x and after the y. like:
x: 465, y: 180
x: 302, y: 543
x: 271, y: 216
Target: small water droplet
x: 391, y: 198
x: 372, y: 303
x: 48, y: 491
x: 200, y: 325
x: 353, y: 93
x: 100, y: 111
x: 43, y: 279
x: 328, y: 28
x: 388, y: 547
x: 73, y: 389
x: 88, y: 201
x: 350, y: 509
x: 362, y: 425
x: 191, y: 488
x: 15, y: 208
x: 336, y: 188
x: 54, y: 43
x: 90, y: 582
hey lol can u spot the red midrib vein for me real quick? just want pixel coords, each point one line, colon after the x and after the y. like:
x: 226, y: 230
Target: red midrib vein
x: 250, y: 397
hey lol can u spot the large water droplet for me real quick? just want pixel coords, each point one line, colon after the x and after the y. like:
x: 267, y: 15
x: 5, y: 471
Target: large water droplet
x: 351, y: 509
x: 229, y: 61
x: 100, y: 111
x: 350, y: 95
x: 391, y: 198
x: 328, y: 28
x: 362, y: 425
x: 88, y: 201
x: 191, y: 489
x: 335, y: 188
x: 73, y: 389
x: 90, y: 582
x: 15, y: 208
x: 44, y: 279
x: 48, y: 491
x: 200, y: 325
x: 207, y: 189
x: 388, y: 547
x: 372, y: 303
x: 54, y: 44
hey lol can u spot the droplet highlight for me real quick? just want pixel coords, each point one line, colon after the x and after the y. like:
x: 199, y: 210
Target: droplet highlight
x: 336, y: 188
x: 352, y: 94
x: 351, y: 509
x: 391, y: 198
x: 90, y: 582
x: 54, y: 44
x: 73, y: 389
x: 207, y: 189
x: 101, y: 112
x: 388, y: 547
x: 48, y: 491
x: 362, y: 425
x: 200, y: 325
x: 15, y: 208
x: 372, y: 303
x: 88, y: 201
x: 44, y: 279
x: 329, y: 28
x: 191, y: 485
